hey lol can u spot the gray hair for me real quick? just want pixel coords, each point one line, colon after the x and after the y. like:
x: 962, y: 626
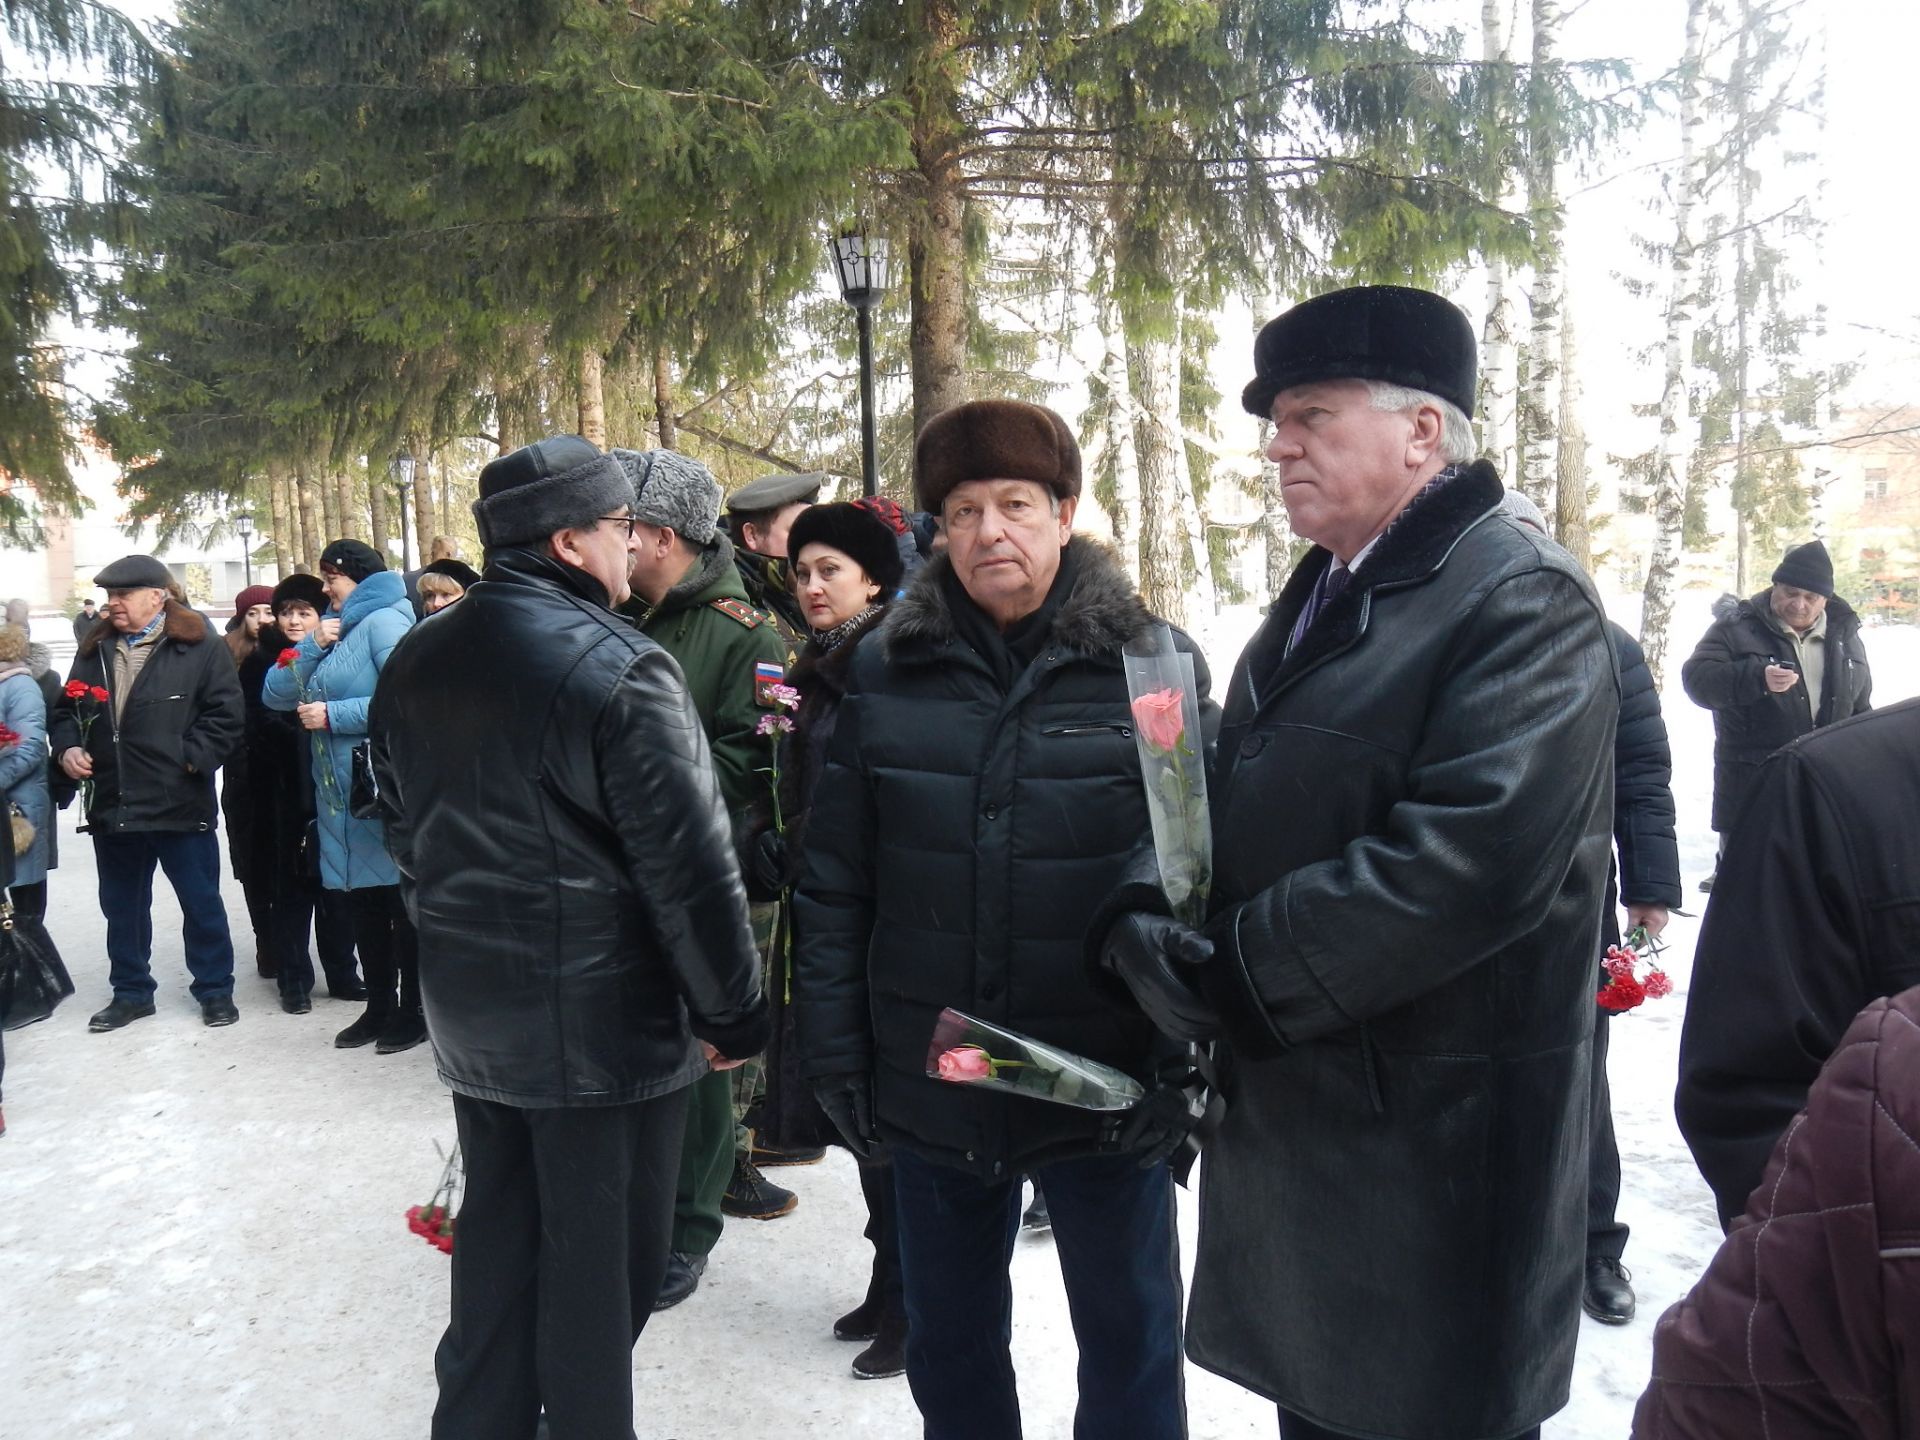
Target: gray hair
x: 1456, y: 431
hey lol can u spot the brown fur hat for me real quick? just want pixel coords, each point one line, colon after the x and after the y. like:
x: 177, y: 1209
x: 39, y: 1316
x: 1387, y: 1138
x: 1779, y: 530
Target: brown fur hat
x: 994, y: 440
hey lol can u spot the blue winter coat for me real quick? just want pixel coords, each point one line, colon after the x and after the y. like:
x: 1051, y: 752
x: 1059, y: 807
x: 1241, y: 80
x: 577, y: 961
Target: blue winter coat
x: 353, y: 853
x: 23, y: 770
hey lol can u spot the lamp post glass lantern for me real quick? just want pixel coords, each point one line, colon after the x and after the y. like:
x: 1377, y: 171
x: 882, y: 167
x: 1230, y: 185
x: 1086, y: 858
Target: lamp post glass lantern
x: 862, y: 265
x: 402, y: 468
x: 243, y: 527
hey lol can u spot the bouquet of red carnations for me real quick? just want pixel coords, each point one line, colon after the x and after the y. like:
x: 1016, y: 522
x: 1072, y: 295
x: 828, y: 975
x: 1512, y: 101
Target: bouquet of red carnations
x: 1626, y: 984
x: 433, y: 1221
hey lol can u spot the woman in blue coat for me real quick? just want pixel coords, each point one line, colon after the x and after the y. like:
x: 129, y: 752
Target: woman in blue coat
x: 329, y: 685
x: 23, y: 768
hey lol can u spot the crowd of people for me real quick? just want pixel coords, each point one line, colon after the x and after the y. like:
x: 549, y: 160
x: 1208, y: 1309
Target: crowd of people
x: 677, y: 827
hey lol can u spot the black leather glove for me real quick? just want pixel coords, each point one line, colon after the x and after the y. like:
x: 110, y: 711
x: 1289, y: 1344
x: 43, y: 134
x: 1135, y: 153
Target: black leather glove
x: 848, y: 1101
x: 767, y: 864
x: 1160, y: 1121
x: 1158, y: 959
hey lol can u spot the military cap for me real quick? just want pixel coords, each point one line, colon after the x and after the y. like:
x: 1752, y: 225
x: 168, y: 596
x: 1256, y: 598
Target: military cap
x: 775, y: 492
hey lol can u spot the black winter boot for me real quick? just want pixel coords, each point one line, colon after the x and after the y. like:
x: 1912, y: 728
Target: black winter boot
x: 887, y: 1355
x: 863, y: 1321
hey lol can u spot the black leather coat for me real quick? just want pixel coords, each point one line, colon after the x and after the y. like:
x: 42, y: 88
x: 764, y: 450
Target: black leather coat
x: 958, y: 844
x: 563, y: 848
x: 153, y: 768
x: 1411, y: 822
x: 1726, y: 674
x: 1643, y: 814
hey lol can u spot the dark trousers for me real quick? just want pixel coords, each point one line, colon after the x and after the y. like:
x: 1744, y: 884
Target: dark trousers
x: 883, y: 1233
x: 258, y: 893
x: 706, y: 1164
x: 191, y: 860
x: 326, y: 916
x: 559, y: 1250
x: 1113, y: 1229
x: 29, y: 901
x: 1606, y: 1236
x: 389, y: 949
x: 1297, y: 1427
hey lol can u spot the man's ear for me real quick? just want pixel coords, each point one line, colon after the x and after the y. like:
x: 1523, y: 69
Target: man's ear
x: 1429, y: 429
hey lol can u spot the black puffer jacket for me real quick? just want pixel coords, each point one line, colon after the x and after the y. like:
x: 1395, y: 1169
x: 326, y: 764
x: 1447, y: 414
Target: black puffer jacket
x: 1726, y: 674
x: 1816, y: 912
x: 1643, y: 812
x: 1411, y: 828
x: 154, y: 768
x: 563, y: 848
x: 959, y: 842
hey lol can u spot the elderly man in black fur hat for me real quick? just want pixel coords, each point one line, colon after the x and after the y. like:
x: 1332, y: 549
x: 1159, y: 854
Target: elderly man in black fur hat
x: 981, y: 795
x: 1411, y: 809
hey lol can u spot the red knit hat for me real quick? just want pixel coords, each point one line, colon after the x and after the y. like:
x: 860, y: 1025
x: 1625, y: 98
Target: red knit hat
x: 251, y: 596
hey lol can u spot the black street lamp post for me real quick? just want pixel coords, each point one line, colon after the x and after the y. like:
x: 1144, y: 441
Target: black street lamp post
x: 243, y: 527
x: 860, y: 263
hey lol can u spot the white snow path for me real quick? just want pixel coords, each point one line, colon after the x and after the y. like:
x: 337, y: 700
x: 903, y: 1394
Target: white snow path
x: 201, y: 1231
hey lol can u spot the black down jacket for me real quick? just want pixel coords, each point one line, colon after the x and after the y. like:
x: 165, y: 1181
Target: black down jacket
x: 1817, y: 912
x: 1411, y: 829
x: 1643, y: 814
x: 562, y: 846
x: 1725, y: 674
x: 959, y: 842
x: 154, y: 768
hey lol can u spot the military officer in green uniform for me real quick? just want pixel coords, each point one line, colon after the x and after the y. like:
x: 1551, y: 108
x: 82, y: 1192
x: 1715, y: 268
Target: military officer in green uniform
x: 759, y: 514
x: 688, y: 598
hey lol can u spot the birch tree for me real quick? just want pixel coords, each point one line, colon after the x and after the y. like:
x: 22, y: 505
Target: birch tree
x: 1540, y: 408
x: 1498, y: 398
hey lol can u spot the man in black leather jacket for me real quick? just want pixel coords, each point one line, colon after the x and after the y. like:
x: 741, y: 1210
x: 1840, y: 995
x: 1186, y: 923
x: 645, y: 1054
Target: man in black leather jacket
x: 584, y: 947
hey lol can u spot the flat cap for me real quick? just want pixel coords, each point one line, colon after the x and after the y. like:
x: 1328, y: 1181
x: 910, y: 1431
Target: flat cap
x: 134, y: 572
x: 994, y: 440
x: 776, y: 492
x: 1391, y: 333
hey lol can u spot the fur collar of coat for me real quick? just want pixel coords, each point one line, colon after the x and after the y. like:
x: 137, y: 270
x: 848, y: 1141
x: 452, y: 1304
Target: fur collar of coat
x: 1102, y: 612
x: 188, y: 627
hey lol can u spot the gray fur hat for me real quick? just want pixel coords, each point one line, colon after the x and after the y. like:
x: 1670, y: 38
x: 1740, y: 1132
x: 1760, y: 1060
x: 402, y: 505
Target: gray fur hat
x: 550, y: 485
x: 673, y: 491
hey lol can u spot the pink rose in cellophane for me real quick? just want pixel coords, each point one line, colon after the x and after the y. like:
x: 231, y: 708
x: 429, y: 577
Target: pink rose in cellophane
x: 1161, y: 719
x: 965, y: 1062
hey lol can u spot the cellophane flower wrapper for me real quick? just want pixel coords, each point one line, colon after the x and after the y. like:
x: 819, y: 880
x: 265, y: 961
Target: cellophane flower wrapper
x: 978, y: 1052
x: 1166, y: 712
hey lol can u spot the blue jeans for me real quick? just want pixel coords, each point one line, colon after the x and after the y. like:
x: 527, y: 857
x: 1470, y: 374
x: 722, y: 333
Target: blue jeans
x: 191, y: 860
x: 1114, y: 1230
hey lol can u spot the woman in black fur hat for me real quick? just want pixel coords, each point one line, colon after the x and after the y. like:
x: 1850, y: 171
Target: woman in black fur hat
x: 846, y: 568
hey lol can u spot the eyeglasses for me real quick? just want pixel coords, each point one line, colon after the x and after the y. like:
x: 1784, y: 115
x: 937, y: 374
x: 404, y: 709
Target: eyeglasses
x: 627, y: 520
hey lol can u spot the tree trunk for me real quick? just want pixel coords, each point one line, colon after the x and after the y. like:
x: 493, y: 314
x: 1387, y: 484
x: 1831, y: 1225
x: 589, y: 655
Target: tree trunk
x: 1672, y: 456
x: 286, y: 543
x: 345, y: 510
x: 1570, y: 480
x: 1498, y: 387
x: 329, y: 511
x: 663, y: 417
x: 381, y: 532
x: 1744, y: 297
x: 422, y: 498
x: 1540, y: 412
x: 1276, y: 529
x: 446, y: 494
x: 1153, y: 362
x: 937, y: 243
x: 312, y: 500
x: 593, y: 400
x: 1124, y: 457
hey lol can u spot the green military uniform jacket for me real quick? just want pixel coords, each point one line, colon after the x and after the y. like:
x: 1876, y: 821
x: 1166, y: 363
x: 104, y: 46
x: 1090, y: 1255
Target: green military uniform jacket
x: 731, y: 655
x: 769, y: 589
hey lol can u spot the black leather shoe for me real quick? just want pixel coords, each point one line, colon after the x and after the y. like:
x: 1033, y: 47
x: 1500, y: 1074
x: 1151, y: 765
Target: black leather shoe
x: 1608, y: 1297
x: 296, y: 1002
x: 887, y: 1355
x: 1706, y: 885
x: 119, y: 1013
x: 682, y: 1278
x: 218, y: 1011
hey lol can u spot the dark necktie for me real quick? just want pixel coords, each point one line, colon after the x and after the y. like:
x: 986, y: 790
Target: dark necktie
x: 1332, y: 582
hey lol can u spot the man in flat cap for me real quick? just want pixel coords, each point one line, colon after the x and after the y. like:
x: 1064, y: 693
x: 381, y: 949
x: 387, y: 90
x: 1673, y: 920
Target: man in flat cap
x: 585, y: 957
x: 981, y: 795
x: 145, y: 756
x: 759, y: 514
x: 1411, y: 810
x: 1774, y: 667
x: 689, y: 600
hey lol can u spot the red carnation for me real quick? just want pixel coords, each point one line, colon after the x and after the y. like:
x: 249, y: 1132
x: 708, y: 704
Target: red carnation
x: 76, y: 688
x: 99, y: 694
x: 287, y: 657
x: 1618, y: 961
x: 1658, y: 983
x: 1622, y: 992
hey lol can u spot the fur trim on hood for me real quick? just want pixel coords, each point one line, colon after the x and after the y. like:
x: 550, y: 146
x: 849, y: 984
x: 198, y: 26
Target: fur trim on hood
x: 183, y: 626
x: 1102, y: 613
x: 1729, y: 605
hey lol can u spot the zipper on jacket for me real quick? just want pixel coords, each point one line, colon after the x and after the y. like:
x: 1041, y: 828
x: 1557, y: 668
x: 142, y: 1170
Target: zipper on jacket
x: 1087, y: 727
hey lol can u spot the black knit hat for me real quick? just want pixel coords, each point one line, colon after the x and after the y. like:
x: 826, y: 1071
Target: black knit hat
x: 458, y: 571
x: 853, y: 530
x: 1806, y: 567
x: 994, y: 440
x: 353, y: 559
x: 553, y: 484
x: 300, y: 589
x: 1369, y: 332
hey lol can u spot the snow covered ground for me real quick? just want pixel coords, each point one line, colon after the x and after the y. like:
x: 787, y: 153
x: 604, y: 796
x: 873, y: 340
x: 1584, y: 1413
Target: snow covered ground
x: 201, y: 1231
